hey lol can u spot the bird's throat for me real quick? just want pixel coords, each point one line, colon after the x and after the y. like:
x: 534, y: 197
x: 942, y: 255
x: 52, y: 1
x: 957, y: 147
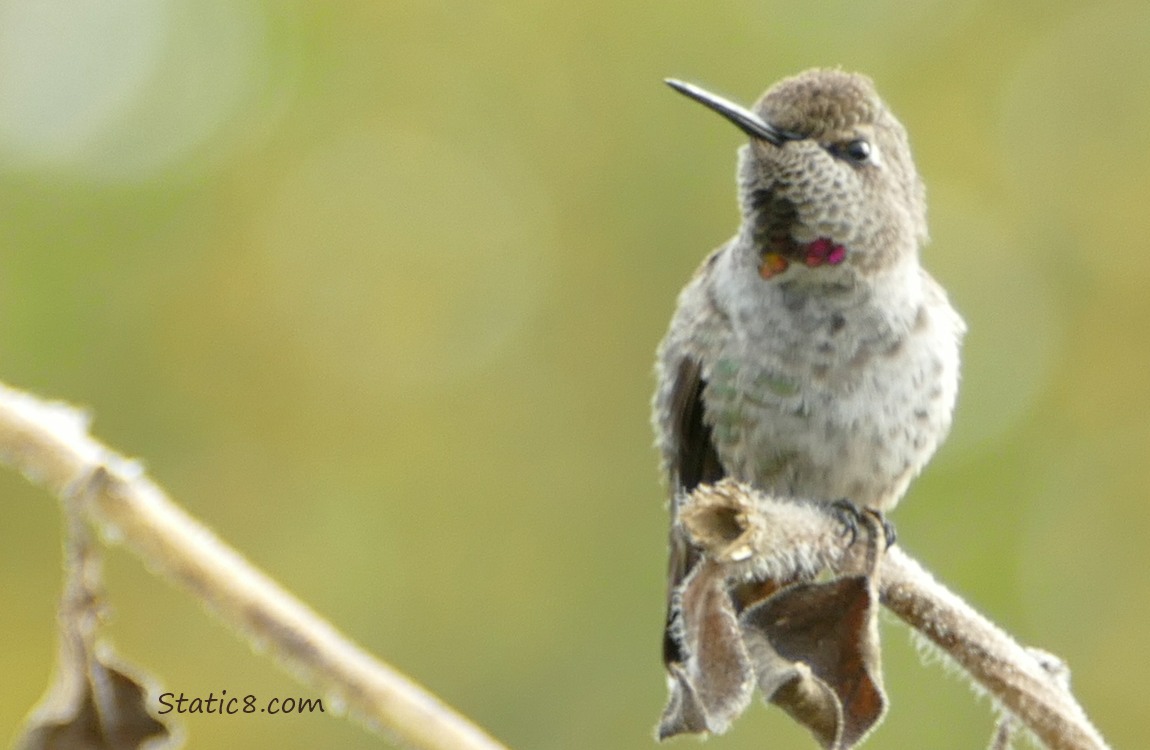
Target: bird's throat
x: 778, y: 257
x: 773, y: 220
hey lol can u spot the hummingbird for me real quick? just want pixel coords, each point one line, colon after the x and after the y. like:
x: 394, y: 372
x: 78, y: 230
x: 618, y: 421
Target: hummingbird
x: 810, y: 356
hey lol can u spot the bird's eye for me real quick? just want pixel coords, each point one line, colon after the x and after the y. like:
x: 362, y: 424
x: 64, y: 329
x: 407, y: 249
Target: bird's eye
x: 857, y: 151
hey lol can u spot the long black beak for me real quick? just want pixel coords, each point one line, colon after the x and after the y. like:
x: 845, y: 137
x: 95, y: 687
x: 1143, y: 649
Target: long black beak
x: 743, y: 118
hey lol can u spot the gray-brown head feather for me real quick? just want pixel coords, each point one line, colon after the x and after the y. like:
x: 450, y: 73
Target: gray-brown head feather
x: 877, y: 207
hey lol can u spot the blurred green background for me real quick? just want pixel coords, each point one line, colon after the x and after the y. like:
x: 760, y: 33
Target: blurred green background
x: 374, y: 289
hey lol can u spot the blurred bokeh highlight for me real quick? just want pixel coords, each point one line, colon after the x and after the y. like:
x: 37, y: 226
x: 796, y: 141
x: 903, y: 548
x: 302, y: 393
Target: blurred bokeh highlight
x: 374, y: 288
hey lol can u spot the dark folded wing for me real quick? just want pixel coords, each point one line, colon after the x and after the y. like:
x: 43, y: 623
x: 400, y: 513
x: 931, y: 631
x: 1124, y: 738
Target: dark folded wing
x: 693, y: 462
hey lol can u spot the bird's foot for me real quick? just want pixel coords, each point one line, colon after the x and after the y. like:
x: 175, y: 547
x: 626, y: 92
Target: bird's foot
x: 879, y: 534
x: 852, y: 517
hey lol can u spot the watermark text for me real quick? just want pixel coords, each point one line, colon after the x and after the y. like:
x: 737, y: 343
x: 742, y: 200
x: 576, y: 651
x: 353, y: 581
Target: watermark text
x: 226, y: 705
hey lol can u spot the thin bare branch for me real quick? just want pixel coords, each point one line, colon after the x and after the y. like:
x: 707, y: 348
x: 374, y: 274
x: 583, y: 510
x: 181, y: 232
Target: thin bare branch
x: 1013, y: 674
x: 49, y: 443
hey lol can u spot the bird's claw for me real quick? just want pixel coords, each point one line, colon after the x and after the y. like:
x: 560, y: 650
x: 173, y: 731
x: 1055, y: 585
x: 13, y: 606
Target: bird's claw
x: 852, y: 517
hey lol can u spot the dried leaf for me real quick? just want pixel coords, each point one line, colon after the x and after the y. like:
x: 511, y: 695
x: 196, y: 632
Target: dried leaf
x: 806, y: 699
x: 714, y: 683
x: 815, y: 651
x: 93, y: 704
x: 93, y: 707
x: 683, y: 714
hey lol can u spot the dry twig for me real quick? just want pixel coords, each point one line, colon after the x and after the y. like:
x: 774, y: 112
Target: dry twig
x: 49, y: 443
